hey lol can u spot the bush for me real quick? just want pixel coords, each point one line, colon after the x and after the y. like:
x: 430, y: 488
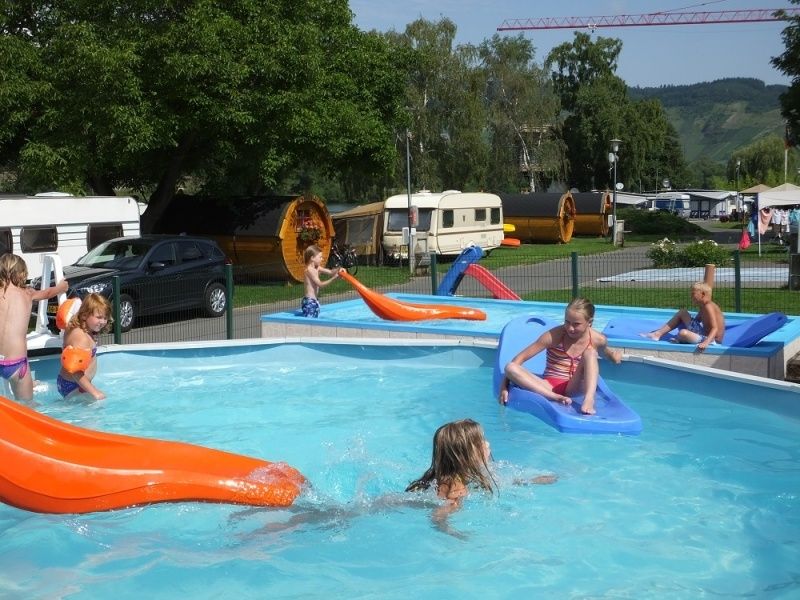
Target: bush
x: 666, y: 254
x: 643, y: 222
x: 663, y: 253
x: 704, y: 252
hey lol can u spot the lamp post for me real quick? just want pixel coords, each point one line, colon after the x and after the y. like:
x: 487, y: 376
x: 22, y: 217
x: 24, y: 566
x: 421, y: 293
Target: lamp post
x: 738, y: 207
x: 613, y: 158
x: 408, y: 191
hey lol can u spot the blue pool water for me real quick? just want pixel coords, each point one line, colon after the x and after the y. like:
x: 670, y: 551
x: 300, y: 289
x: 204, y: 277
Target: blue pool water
x: 356, y: 315
x: 703, y: 504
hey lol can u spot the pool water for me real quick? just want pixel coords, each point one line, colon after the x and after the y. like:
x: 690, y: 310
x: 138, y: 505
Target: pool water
x: 703, y: 503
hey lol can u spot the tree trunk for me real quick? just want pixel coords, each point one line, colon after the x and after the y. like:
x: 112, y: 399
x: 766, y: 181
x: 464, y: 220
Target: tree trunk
x: 163, y: 194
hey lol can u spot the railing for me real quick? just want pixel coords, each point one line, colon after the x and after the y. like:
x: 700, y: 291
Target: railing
x: 623, y: 278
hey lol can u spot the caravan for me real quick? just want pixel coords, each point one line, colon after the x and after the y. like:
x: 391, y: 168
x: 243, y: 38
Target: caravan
x: 32, y: 226
x: 445, y: 223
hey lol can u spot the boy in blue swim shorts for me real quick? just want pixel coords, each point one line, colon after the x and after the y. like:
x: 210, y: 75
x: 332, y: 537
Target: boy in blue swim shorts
x: 706, y: 328
x: 309, y: 306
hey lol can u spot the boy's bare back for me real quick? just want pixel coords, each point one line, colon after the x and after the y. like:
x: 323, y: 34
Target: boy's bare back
x: 711, y: 315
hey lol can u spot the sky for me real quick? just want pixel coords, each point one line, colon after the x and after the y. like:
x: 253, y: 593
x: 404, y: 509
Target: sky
x: 651, y: 56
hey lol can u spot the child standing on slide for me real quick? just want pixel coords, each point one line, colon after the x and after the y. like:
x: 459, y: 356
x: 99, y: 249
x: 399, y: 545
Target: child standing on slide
x: 572, y: 360
x: 16, y: 305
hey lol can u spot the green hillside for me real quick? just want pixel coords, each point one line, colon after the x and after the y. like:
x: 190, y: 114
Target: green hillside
x: 714, y: 119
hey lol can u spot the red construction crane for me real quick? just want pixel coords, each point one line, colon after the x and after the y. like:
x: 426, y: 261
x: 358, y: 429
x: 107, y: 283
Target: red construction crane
x: 649, y: 19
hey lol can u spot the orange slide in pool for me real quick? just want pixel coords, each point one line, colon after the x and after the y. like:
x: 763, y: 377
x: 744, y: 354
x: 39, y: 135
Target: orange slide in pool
x: 394, y: 310
x: 52, y: 467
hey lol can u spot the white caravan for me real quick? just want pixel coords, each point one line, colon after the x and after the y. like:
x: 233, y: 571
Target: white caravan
x: 69, y: 226
x: 445, y: 222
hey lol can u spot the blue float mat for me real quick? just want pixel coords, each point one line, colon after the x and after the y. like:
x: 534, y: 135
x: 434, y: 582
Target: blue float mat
x: 613, y: 415
x: 740, y: 335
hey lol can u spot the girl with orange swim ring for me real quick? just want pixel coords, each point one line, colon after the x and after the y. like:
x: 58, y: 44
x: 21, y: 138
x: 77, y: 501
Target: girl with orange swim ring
x: 78, y: 363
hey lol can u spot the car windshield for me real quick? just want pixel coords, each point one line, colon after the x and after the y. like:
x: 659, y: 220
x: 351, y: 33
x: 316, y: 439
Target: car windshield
x: 116, y: 254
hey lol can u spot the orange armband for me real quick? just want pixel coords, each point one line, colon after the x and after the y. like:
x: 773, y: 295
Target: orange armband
x: 75, y: 359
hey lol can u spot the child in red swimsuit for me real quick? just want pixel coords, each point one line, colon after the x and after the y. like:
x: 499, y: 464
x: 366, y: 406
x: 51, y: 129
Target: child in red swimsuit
x: 572, y: 359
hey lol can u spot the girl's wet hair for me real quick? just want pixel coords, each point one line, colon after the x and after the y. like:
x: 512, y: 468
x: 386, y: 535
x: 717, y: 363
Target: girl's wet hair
x: 582, y: 305
x: 458, y: 455
x: 13, y: 271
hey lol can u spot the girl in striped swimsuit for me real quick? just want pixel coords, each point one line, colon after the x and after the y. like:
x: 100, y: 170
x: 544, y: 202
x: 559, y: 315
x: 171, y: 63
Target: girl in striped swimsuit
x: 571, y: 367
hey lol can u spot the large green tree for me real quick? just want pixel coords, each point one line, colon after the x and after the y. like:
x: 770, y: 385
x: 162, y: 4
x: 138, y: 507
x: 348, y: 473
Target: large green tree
x: 100, y: 94
x: 598, y: 109
x: 789, y: 64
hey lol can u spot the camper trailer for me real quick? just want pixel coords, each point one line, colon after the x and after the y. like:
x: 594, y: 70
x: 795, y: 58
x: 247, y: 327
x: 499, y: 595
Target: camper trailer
x: 32, y: 226
x: 445, y: 223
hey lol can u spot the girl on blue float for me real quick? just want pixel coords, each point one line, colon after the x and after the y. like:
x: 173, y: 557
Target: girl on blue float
x: 78, y: 362
x: 572, y: 360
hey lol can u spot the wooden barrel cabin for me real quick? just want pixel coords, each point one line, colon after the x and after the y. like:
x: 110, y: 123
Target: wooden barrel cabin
x: 591, y: 213
x: 269, y: 233
x: 540, y: 217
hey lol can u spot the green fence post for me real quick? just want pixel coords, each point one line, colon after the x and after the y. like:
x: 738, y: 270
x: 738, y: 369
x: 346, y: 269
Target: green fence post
x: 575, y: 291
x: 737, y: 274
x: 434, y: 276
x: 115, y: 309
x: 229, y: 301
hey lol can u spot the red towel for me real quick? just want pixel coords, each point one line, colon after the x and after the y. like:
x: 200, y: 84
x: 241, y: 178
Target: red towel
x: 744, y: 242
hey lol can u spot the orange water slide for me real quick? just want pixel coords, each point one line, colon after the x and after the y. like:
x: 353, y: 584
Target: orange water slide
x: 394, y: 310
x: 52, y: 467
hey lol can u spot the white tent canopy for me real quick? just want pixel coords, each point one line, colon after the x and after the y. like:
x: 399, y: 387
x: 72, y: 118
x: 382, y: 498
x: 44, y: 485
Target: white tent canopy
x: 786, y: 194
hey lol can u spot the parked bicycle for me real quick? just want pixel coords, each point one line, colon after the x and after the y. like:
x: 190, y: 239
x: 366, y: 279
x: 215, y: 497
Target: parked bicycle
x: 344, y: 256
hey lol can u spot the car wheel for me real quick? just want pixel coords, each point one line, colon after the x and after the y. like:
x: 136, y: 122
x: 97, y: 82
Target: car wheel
x: 214, y: 301
x: 127, y: 313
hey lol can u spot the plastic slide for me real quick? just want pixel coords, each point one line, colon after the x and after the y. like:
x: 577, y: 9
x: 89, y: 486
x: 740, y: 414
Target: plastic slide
x: 490, y: 282
x: 738, y: 335
x: 465, y: 264
x: 394, y: 310
x: 613, y: 415
x: 52, y: 467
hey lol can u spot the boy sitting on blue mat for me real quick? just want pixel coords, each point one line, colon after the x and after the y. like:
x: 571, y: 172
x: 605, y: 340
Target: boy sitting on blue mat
x: 704, y: 329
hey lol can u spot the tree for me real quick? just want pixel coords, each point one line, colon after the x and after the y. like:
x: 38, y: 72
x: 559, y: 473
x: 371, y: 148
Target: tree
x: 789, y: 64
x: 235, y: 93
x: 522, y: 116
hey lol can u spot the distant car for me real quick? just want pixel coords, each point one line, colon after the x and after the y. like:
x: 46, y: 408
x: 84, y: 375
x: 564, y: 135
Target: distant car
x: 157, y: 274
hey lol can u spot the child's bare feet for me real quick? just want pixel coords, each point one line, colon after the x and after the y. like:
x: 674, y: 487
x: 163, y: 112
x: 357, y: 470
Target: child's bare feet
x: 651, y: 335
x: 565, y: 400
x: 587, y: 407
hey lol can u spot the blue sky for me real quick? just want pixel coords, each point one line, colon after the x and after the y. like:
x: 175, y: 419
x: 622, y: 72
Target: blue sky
x: 651, y: 56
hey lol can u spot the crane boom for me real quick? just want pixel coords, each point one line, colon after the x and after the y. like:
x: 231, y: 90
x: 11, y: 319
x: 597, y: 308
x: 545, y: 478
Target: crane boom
x: 650, y: 19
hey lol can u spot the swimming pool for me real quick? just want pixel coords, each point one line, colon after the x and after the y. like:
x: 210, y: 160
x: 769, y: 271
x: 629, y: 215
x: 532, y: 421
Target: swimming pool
x: 351, y: 318
x: 703, y: 503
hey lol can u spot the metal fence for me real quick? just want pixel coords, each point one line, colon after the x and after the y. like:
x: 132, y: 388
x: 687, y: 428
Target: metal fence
x: 625, y: 277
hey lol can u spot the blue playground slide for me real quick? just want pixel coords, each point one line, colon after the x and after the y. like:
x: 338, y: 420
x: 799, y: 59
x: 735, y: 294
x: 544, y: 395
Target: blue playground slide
x: 613, y: 415
x: 455, y: 274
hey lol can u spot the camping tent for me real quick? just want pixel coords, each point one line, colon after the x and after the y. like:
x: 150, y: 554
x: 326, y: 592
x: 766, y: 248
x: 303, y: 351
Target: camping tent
x: 361, y: 227
x: 786, y: 194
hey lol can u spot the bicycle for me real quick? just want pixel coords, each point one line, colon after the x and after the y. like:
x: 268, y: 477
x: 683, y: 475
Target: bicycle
x: 343, y: 257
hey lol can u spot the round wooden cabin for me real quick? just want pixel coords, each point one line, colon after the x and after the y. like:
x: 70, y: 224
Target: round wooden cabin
x: 540, y: 217
x: 591, y: 212
x: 269, y: 233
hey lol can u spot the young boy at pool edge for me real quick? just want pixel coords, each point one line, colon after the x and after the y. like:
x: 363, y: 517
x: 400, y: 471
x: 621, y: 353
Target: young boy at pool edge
x: 572, y: 365
x: 16, y: 305
x: 461, y: 455
x: 313, y: 260
x: 704, y: 329
x: 93, y: 317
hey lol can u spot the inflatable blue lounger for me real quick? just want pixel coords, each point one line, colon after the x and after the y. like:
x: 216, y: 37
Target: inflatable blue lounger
x: 740, y: 335
x: 613, y: 415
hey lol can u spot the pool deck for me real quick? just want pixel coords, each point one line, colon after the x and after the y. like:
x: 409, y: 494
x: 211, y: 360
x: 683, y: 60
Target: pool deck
x: 769, y: 358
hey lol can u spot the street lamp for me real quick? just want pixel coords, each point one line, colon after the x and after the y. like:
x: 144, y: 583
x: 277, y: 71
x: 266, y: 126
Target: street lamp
x: 738, y: 207
x: 408, y: 190
x: 613, y: 158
